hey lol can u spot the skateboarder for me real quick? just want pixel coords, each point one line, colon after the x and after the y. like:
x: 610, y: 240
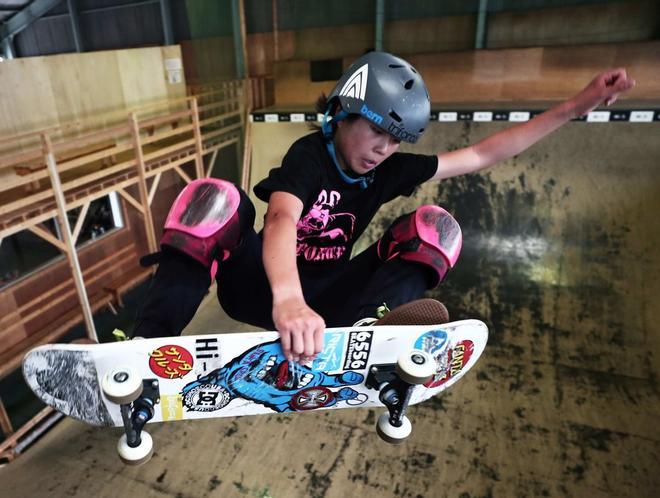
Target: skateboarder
x: 297, y: 275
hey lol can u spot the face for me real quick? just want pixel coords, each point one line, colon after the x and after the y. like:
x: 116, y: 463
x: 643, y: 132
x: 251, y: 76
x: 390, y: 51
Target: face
x: 361, y: 145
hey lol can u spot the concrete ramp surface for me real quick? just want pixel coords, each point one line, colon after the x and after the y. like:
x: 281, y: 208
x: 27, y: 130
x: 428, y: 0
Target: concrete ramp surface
x: 560, y: 258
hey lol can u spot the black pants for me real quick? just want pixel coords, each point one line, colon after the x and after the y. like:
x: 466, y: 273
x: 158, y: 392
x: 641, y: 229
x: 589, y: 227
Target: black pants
x: 340, y: 296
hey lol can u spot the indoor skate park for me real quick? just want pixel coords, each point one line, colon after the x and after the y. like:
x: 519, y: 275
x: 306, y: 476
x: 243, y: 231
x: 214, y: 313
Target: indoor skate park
x: 110, y: 107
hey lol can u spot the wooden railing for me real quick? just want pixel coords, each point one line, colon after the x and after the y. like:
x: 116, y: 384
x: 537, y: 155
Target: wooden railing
x: 134, y: 150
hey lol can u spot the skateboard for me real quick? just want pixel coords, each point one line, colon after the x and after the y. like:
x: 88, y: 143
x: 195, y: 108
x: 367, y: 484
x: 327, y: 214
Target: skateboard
x: 131, y: 383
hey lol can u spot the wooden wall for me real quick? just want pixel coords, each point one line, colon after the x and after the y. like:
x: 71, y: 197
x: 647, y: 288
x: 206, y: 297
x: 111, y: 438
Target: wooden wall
x: 427, y: 31
x: 27, y: 290
x: 209, y: 59
x: 39, y: 92
x: 512, y: 75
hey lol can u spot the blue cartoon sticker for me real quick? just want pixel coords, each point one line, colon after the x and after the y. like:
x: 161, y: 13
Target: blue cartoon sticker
x: 262, y: 374
x: 433, y: 342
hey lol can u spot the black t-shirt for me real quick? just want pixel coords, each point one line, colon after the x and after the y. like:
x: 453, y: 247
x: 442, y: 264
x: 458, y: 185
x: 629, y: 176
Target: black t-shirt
x: 336, y: 213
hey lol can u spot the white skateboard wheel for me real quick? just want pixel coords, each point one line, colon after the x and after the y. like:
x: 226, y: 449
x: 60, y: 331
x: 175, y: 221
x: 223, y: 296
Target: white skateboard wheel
x: 138, y: 455
x: 416, y: 367
x: 390, y: 433
x: 121, y: 385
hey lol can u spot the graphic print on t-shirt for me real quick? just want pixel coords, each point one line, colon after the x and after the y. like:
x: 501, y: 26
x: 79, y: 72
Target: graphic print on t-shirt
x: 323, y: 235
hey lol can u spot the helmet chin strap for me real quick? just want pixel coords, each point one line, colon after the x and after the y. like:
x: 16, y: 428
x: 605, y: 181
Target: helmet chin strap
x: 365, y: 180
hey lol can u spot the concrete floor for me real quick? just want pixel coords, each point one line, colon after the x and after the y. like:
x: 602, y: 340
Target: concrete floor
x: 560, y: 259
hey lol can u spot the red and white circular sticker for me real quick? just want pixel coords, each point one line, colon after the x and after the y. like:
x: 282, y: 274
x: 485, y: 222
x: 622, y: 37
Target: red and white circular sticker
x: 170, y: 362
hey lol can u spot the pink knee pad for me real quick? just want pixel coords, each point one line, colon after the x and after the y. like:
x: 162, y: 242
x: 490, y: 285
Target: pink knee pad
x: 430, y: 236
x: 204, y: 220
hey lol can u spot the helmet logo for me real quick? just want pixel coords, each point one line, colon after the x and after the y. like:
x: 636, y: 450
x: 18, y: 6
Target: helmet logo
x: 402, y: 134
x: 356, y: 86
x: 369, y: 114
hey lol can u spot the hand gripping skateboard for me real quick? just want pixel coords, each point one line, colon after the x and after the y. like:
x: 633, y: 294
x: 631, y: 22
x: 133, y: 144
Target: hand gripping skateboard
x: 132, y: 383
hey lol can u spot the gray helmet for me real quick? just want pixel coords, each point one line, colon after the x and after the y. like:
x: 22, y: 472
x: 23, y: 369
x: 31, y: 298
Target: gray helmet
x: 388, y: 91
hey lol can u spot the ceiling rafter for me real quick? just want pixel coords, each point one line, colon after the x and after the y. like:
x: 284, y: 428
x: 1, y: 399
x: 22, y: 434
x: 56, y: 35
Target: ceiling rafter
x: 26, y: 16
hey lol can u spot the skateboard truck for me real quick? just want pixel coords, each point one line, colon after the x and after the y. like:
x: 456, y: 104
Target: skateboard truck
x: 135, y: 415
x: 396, y: 383
x: 137, y: 399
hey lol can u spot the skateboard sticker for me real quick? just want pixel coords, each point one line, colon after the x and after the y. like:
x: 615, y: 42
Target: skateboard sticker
x: 330, y: 358
x: 452, y: 362
x: 171, y: 407
x: 262, y: 374
x: 358, y: 350
x: 312, y: 398
x: 433, y: 342
x: 451, y: 358
x: 207, y: 354
x: 170, y: 362
x: 206, y: 398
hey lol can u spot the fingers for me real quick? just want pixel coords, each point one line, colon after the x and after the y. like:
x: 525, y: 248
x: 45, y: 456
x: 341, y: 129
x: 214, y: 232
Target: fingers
x: 313, y: 339
x: 298, y: 346
x: 318, y: 338
x: 616, y: 81
x: 620, y: 80
x: 285, y: 338
x: 301, y: 335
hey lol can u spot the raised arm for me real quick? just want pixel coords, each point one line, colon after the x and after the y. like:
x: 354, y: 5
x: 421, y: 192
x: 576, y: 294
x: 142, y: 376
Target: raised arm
x: 301, y: 328
x: 603, y: 89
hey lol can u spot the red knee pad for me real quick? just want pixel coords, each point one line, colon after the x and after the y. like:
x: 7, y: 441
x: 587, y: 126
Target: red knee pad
x: 203, y: 221
x: 430, y: 236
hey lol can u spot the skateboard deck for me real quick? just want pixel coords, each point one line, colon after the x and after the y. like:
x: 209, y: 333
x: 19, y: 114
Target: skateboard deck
x: 231, y: 375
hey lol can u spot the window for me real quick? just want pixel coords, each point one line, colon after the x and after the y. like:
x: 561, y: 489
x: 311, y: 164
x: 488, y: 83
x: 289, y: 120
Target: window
x: 25, y: 252
x: 100, y: 219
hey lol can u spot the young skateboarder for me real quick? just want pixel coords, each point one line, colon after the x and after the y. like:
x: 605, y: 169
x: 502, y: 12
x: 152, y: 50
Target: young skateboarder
x: 297, y: 275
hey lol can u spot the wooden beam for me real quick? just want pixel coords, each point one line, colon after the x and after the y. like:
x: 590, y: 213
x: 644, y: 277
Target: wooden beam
x: 247, y: 157
x: 91, y: 138
x: 220, y: 145
x: 212, y: 162
x: 142, y: 183
x: 154, y: 187
x: 199, y: 163
x: 179, y: 130
x: 80, y: 221
x: 161, y: 120
x: 7, y: 232
x: 219, y: 118
x: 165, y: 151
x: 71, y: 253
x: 48, y: 237
x: 222, y: 131
x: 182, y: 174
x: 131, y: 200
x: 170, y: 165
x: 94, y: 156
x: 5, y: 422
x: 8, y: 448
